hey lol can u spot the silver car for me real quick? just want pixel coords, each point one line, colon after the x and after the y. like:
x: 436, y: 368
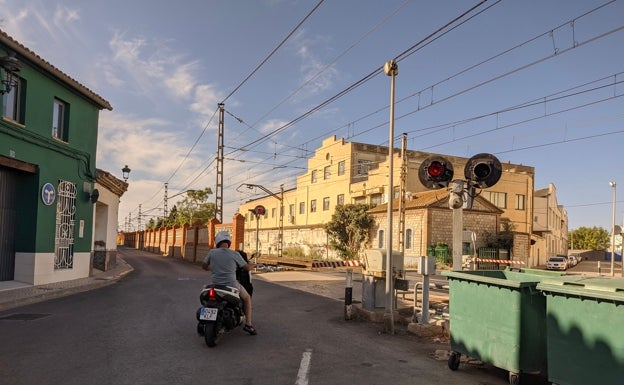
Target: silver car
x: 557, y: 263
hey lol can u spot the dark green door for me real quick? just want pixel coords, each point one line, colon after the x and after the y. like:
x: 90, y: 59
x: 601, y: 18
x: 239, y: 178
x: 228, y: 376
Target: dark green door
x: 8, y: 216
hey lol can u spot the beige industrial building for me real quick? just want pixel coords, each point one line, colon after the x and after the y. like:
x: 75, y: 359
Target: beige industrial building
x: 550, y: 226
x: 342, y: 172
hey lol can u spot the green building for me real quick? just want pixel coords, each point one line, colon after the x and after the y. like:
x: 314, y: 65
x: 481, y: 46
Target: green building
x: 48, y: 140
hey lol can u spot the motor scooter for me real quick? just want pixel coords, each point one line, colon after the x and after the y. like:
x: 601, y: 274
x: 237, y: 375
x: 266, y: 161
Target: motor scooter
x: 221, y: 311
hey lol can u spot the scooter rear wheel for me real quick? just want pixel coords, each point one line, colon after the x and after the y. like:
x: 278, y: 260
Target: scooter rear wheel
x: 210, y: 334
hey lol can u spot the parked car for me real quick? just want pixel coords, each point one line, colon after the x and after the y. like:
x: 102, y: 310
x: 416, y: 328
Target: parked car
x: 577, y: 258
x: 572, y: 261
x: 557, y: 263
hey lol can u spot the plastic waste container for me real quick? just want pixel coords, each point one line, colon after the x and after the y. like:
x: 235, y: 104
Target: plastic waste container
x: 498, y: 317
x: 584, y: 325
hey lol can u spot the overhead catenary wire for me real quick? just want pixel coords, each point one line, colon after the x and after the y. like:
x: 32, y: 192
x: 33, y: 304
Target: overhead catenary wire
x: 377, y: 71
x: 493, y: 79
x: 273, y: 52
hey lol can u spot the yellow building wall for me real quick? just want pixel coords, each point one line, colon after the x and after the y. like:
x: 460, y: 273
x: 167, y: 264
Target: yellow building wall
x: 365, y: 180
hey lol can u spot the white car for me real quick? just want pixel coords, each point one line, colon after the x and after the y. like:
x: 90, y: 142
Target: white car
x: 557, y: 263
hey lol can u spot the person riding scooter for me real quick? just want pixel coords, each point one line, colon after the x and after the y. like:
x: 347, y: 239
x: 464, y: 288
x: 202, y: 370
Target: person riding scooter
x: 223, y: 263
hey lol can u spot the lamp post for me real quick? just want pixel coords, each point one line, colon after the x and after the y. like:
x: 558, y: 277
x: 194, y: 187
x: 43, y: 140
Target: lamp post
x: 613, y: 184
x: 391, y: 69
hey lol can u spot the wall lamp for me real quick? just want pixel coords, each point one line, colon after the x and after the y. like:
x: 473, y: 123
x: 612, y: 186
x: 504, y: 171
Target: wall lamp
x: 10, y: 64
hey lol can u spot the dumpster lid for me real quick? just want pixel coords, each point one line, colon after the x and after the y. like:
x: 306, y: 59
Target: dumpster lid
x: 507, y: 278
x: 595, y: 287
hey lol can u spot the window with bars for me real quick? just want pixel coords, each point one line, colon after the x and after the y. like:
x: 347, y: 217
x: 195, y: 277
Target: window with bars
x: 341, y: 167
x: 65, y: 221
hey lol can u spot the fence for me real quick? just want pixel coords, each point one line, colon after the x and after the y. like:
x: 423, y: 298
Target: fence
x: 190, y: 243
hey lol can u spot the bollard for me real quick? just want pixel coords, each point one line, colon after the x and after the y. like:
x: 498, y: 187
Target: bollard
x: 424, y: 319
x: 348, y: 311
x: 415, y: 312
x: 599, y: 268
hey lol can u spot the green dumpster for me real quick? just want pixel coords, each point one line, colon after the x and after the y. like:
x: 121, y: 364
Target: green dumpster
x: 584, y: 324
x: 498, y: 317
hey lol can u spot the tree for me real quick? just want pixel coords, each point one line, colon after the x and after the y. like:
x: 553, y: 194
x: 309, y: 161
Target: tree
x: 349, y: 229
x: 585, y: 238
x: 195, y: 207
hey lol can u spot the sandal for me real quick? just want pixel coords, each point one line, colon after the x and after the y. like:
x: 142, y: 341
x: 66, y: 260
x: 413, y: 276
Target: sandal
x: 250, y: 329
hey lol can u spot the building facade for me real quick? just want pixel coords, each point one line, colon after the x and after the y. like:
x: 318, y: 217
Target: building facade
x: 550, y: 226
x: 48, y: 140
x: 342, y: 172
x: 429, y: 222
x: 106, y: 218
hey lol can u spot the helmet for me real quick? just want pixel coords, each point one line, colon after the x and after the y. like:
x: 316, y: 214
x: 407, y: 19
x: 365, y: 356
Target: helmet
x: 223, y: 236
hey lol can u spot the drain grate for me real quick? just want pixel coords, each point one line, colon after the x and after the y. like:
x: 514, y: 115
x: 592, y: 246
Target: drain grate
x: 24, y: 317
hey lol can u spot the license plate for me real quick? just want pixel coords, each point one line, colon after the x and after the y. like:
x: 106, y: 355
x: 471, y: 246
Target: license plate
x: 208, y: 314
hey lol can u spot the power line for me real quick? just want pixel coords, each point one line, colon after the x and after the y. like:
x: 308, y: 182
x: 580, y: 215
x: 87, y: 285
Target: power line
x: 273, y: 52
x: 353, y: 86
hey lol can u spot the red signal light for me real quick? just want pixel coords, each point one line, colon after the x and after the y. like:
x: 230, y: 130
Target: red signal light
x: 435, y: 169
x: 259, y: 210
x: 435, y: 172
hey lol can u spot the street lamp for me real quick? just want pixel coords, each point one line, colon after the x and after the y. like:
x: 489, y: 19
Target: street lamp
x: 11, y: 65
x: 613, y: 184
x: 126, y: 172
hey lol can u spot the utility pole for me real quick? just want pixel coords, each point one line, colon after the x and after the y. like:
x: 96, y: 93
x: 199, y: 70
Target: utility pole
x: 219, y: 186
x: 402, y: 193
x: 280, y: 242
x: 165, y: 204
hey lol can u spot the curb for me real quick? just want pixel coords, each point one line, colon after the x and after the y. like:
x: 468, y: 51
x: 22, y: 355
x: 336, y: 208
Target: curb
x: 47, y: 292
x: 437, y: 328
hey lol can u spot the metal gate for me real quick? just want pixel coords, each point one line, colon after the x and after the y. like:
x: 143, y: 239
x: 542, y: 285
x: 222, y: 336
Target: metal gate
x: 8, y: 217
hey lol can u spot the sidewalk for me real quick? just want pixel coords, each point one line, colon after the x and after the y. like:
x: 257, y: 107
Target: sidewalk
x: 14, y: 294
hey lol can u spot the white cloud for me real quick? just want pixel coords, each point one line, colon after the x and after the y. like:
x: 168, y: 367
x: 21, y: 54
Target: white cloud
x: 271, y: 125
x: 318, y: 76
x: 181, y: 82
x: 64, y: 15
x: 145, y: 144
x: 152, y: 65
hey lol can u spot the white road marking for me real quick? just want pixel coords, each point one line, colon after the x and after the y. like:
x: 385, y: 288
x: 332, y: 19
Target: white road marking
x: 304, y: 368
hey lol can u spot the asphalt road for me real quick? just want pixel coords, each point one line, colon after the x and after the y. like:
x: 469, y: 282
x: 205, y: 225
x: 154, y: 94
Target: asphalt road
x: 142, y: 331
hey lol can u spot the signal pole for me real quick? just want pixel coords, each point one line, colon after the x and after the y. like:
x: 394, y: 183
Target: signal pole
x: 391, y: 69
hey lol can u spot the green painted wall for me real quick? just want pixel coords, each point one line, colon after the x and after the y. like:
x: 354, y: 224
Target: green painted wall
x: 73, y: 160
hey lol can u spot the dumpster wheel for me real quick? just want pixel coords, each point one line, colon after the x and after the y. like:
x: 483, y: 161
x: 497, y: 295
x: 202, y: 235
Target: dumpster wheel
x: 453, y: 360
x: 514, y: 378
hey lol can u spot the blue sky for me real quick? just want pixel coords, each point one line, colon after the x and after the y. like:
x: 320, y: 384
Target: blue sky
x: 534, y: 82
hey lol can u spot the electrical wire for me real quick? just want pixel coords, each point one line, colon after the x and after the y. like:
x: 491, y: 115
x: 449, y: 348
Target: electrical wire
x: 274, y: 50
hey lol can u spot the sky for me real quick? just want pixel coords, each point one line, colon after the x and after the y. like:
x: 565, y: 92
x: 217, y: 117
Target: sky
x: 534, y: 82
